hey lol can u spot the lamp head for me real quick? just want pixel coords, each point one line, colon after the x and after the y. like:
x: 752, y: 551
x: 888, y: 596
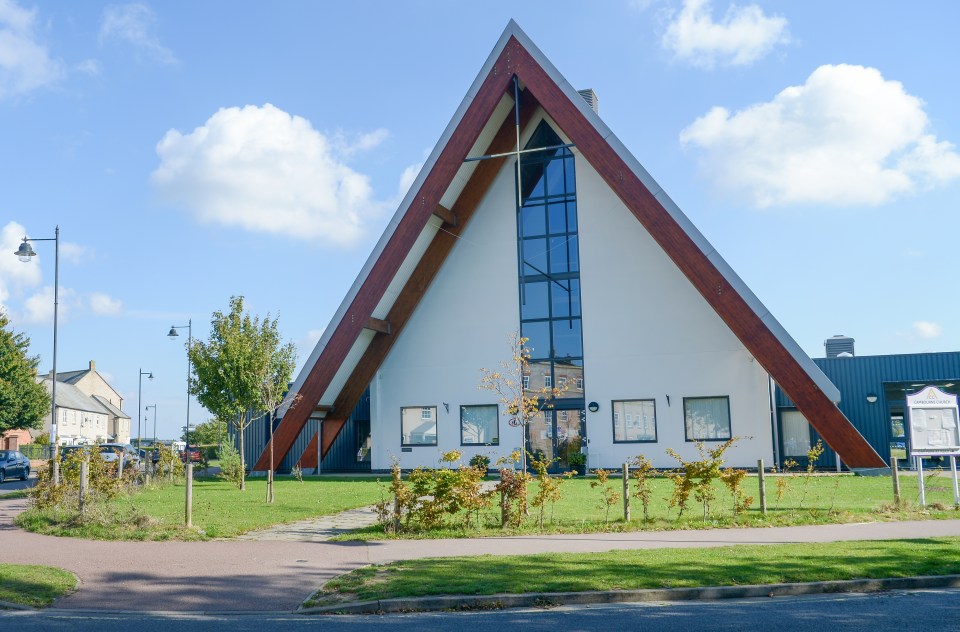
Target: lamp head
x: 25, y: 251
x: 150, y: 377
x: 173, y: 333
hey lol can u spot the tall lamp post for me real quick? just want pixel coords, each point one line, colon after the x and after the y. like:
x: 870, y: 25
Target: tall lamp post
x: 188, y: 465
x: 25, y: 253
x: 149, y: 375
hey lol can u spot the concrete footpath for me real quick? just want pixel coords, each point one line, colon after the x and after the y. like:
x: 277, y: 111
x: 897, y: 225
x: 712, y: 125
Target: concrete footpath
x: 273, y: 575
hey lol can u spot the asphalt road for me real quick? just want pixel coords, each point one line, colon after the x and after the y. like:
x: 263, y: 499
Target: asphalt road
x: 822, y: 613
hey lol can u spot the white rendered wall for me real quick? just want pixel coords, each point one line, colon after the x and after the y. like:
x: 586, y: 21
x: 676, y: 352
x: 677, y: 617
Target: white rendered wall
x: 647, y: 334
x: 462, y: 324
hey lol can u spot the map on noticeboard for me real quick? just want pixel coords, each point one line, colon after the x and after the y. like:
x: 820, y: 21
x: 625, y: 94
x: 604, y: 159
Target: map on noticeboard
x: 934, y: 427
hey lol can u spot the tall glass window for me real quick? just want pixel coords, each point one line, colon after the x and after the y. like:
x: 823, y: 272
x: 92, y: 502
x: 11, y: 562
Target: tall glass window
x: 550, y: 263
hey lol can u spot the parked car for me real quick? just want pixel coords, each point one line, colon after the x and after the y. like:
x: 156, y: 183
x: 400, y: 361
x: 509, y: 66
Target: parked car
x: 194, y: 455
x: 111, y: 452
x: 14, y: 465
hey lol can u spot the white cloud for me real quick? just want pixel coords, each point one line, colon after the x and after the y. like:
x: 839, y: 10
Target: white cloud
x: 75, y: 253
x: 345, y: 146
x: 104, y: 304
x: 926, y: 329
x: 25, y: 64
x: 743, y: 36
x: 15, y: 274
x: 313, y: 337
x: 133, y: 24
x: 38, y: 308
x: 845, y: 137
x: 89, y: 67
x: 262, y: 169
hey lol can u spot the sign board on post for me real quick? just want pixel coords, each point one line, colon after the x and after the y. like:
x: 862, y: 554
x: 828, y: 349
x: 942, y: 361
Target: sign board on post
x: 934, y: 430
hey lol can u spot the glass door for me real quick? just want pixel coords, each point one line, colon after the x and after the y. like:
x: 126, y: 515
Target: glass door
x: 555, y: 435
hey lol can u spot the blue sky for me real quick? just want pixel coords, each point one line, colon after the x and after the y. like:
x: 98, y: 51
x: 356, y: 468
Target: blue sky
x: 191, y: 151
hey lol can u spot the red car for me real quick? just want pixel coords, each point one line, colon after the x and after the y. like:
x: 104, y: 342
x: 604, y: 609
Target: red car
x: 193, y: 453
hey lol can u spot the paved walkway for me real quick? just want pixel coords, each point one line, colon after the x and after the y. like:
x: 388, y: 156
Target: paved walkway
x: 273, y: 575
x: 318, y: 529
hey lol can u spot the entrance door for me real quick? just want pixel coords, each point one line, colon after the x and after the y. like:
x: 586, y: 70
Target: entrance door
x: 555, y: 435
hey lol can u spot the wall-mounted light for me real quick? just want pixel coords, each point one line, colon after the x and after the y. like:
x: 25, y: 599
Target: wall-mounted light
x: 593, y: 407
x: 446, y: 406
x: 872, y: 398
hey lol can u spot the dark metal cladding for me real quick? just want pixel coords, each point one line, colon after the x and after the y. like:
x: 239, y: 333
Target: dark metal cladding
x: 889, y: 378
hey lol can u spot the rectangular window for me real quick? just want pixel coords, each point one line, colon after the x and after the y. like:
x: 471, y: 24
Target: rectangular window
x: 562, y: 381
x: 634, y: 421
x: 707, y: 418
x: 548, y: 381
x: 418, y: 425
x: 526, y: 382
x: 796, y: 433
x: 579, y: 383
x: 479, y: 425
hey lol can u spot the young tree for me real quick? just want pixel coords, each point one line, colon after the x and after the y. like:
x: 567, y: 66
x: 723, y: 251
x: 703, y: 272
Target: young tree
x: 522, y: 404
x: 23, y: 401
x: 230, y: 369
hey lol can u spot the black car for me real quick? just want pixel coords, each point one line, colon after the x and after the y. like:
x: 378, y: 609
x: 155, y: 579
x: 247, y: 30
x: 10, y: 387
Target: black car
x: 14, y: 465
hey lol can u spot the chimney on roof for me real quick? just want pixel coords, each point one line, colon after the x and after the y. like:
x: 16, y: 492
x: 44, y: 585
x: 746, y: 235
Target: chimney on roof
x: 591, y: 98
x: 93, y: 365
x: 839, y: 347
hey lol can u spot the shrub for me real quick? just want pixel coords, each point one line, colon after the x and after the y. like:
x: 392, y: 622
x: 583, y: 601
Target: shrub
x: 481, y: 462
x: 231, y: 467
x: 642, y: 469
x: 608, y: 495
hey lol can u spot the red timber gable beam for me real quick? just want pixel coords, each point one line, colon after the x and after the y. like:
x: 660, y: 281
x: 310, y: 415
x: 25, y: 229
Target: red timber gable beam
x: 424, y: 205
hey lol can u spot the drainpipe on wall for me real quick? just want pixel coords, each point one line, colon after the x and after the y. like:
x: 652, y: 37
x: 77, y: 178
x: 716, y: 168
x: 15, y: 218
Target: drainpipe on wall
x: 771, y: 394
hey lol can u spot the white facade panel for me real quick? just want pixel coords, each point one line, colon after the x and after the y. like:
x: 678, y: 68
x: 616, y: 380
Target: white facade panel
x: 463, y: 323
x: 647, y: 334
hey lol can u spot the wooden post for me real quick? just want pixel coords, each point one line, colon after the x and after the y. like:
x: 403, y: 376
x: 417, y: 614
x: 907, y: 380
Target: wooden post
x: 83, y: 484
x: 626, y: 492
x: 895, y: 472
x: 188, y: 508
x: 396, y: 514
x: 763, y: 487
x: 504, y: 504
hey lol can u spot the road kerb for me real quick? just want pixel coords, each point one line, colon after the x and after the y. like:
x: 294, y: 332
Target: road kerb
x: 547, y: 599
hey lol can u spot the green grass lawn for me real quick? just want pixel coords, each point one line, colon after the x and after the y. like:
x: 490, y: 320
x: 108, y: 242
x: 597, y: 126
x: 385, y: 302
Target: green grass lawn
x: 220, y: 509
x: 804, y: 500
x: 36, y: 586
x: 657, y: 568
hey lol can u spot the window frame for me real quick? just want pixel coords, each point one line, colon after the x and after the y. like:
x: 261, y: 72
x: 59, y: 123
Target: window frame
x: 496, y: 407
x: 615, y: 415
x: 436, y: 426
x: 686, y: 435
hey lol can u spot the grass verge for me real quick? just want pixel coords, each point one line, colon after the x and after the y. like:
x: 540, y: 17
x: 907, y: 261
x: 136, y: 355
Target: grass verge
x: 791, y: 501
x: 220, y: 510
x: 637, y: 569
x: 36, y: 586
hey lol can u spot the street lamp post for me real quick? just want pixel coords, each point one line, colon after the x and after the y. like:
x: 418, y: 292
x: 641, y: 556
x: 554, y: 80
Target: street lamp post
x: 25, y: 253
x: 149, y: 375
x: 188, y: 464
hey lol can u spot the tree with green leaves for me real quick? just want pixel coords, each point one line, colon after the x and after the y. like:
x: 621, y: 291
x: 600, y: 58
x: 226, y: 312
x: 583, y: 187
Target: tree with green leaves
x: 209, y: 435
x: 23, y: 400
x: 243, y: 358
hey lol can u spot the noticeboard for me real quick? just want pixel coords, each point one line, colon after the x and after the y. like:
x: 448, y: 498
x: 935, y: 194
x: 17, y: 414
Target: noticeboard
x: 934, y: 428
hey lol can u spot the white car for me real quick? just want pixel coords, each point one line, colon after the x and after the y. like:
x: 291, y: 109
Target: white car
x: 124, y: 451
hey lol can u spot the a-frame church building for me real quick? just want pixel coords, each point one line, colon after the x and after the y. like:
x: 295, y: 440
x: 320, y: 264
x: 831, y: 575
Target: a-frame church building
x: 656, y: 341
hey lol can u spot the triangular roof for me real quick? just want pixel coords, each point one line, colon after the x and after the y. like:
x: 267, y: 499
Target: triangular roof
x: 446, y: 192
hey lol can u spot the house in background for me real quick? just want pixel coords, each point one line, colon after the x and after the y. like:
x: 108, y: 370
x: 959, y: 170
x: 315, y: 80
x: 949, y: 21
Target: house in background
x: 88, y: 409
x: 531, y: 216
x: 13, y: 439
